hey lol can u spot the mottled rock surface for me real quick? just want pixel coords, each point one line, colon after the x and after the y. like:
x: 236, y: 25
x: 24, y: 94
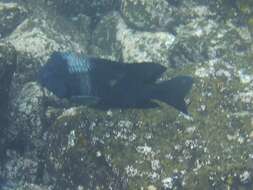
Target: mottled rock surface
x: 8, y: 62
x: 104, y: 38
x: 38, y: 36
x: 148, y: 14
x: 113, y: 39
x: 7, y: 67
x: 11, y: 15
x: 92, y: 8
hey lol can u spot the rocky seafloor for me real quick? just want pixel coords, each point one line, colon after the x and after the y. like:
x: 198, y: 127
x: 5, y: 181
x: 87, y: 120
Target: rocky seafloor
x: 48, y: 143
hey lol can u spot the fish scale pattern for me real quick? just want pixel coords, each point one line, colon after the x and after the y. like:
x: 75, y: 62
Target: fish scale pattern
x: 76, y: 63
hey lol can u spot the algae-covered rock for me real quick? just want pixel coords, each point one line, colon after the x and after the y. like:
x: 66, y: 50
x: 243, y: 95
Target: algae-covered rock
x: 162, y: 15
x: 104, y: 38
x: 113, y: 39
x: 90, y: 148
x: 19, y: 169
x: 93, y: 8
x: 8, y: 62
x: 11, y: 15
x: 202, y: 40
x: 140, y: 46
x: 7, y: 67
x: 38, y: 40
x: 27, y: 115
x: 78, y: 151
x: 148, y: 14
x: 31, y: 186
x: 41, y: 34
x: 245, y: 6
x: 24, y: 138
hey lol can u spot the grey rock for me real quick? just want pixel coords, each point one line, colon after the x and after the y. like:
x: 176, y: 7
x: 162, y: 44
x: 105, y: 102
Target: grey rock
x: 11, y: 15
x: 92, y: 8
x: 104, y: 39
x: 162, y: 15
x: 7, y: 68
x: 205, y: 39
x: 25, y: 136
x: 32, y: 186
x: 20, y: 169
x: 27, y: 116
x: 142, y: 46
x: 113, y: 39
x: 75, y: 159
x: 39, y: 37
x: 148, y: 14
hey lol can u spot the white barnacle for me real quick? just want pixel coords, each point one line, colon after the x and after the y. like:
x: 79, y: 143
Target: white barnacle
x: 245, y: 176
x: 168, y: 182
x: 131, y: 171
x: 144, y: 149
x: 71, y: 139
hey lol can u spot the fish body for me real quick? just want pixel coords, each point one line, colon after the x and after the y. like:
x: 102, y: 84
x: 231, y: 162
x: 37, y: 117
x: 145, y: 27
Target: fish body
x: 111, y: 84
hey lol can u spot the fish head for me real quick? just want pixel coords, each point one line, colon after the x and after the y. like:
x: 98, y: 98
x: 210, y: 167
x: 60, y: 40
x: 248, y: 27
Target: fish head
x: 54, y: 75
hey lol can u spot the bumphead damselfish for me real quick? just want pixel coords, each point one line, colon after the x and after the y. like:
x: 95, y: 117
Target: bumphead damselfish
x: 112, y: 84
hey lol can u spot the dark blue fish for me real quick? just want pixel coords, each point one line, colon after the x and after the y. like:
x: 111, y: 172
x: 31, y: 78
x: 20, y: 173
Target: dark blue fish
x: 112, y: 84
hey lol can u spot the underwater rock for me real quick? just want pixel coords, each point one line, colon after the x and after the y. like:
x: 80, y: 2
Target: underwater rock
x: 7, y: 67
x: 8, y: 62
x: 27, y: 117
x: 188, y: 51
x: 19, y: 169
x: 30, y: 186
x: 92, y: 8
x: 162, y: 15
x: 148, y: 14
x: 75, y: 159
x: 113, y: 39
x: 39, y: 37
x: 104, y: 38
x: 25, y: 136
x: 204, y: 40
x: 138, y: 46
x: 11, y: 15
x: 89, y: 148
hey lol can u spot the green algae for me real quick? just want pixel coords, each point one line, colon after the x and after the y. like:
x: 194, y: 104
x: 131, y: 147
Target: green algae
x: 245, y: 6
x: 167, y: 131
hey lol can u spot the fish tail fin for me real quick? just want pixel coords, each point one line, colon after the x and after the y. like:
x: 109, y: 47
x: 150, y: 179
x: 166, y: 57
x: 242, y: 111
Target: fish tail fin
x: 174, y: 91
